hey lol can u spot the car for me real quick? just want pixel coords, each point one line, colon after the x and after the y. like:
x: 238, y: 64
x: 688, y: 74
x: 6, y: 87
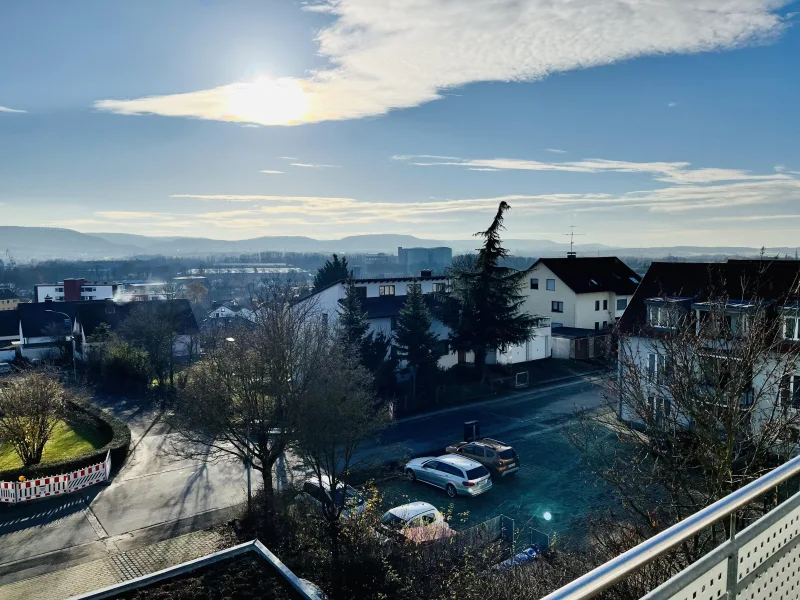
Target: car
x: 497, y: 456
x: 456, y: 475
x: 318, y: 497
x: 417, y: 522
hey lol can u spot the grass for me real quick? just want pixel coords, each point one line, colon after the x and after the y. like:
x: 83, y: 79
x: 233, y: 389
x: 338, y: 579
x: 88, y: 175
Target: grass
x: 68, y: 439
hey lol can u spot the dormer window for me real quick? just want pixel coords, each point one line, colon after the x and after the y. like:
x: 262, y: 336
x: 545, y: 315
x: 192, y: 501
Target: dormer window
x: 665, y: 313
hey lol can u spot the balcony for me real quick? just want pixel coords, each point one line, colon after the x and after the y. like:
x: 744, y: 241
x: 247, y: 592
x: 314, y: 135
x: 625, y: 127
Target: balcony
x: 759, y: 562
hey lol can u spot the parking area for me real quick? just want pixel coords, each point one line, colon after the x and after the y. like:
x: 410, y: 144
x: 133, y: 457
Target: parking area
x: 552, y: 492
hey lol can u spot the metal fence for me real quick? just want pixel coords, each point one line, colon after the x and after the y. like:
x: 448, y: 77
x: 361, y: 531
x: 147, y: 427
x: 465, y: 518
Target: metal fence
x: 12, y: 492
x: 761, y: 561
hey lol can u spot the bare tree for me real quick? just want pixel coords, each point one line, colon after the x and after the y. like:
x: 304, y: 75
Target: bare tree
x: 31, y: 405
x: 152, y: 326
x: 242, y: 399
x: 701, y: 403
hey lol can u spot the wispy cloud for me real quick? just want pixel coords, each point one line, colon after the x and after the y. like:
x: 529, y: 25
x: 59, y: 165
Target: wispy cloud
x: 390, y: 55
x: 672, y: 105
x: 313, y: 166
x: 5, y: 109
x: 270, y: 172
x: 670, y: 172
x: 555, y: 150
x: 288, y: 157
x: 124, y: 215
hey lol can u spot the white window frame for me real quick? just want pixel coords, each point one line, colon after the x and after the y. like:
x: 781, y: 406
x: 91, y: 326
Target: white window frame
x: 383, y: 290
x: 547, y: 285
x: 791, y: 327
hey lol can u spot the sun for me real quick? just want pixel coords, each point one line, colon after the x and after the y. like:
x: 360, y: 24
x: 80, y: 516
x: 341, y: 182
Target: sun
x: 268, y: 102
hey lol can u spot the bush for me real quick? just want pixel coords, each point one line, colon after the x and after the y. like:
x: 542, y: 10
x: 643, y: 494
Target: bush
x: 119, y: 439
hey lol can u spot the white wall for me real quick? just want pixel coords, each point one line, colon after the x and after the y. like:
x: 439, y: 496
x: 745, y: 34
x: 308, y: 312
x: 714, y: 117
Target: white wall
x: 585, y: 314
x: 539, y: 302
x: 400, y: 287
x: 536, y: 348
x: 102, y: 292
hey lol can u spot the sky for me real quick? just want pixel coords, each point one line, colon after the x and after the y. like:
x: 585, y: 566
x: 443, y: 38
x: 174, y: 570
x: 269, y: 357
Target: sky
x: 640, y: 122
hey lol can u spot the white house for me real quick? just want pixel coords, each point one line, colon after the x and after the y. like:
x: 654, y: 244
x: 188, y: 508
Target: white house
x: 74, y: 290
x: 580, y: 292
x: 44, y: 327
x: 231, y: 310
x: 673, y: 295
x: 383, y: 298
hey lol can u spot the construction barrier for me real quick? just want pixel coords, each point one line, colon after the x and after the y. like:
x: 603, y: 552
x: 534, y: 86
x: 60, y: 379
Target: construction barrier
x: 55, y: 485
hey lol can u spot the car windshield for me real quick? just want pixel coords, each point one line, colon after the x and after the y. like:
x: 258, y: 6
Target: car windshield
x: 353, y: 497
x: 477, y: 473
x: 506, y: 454
x: 392, y: 522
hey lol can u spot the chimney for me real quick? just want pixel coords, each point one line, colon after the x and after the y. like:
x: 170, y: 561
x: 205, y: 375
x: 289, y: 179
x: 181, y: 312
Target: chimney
x: 571, y: 254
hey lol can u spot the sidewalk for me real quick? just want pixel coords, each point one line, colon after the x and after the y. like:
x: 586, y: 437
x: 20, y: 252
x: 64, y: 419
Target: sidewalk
x: 117, y: 568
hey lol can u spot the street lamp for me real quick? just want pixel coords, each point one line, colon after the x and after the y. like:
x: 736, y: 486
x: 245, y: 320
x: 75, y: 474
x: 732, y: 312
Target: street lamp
x: 72, y: 339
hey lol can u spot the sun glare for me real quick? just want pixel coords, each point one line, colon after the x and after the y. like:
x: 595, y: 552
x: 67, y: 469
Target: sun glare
x: 268, y: 101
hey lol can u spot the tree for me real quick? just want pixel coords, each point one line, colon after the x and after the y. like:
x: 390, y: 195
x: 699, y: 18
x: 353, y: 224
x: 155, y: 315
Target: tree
x: 703, y: 409
x: 331, y: 272
x: 242, y: 398
x: 484, y: 308
x: 353, y: 326
x: 413, y: 338
x: 31, y: 406
x: 152, y: 326
x: 196, y: 292
x: 335, y: 418
x: 174, y: 290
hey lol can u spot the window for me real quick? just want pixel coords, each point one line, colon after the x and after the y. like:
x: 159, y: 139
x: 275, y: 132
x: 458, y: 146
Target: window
x: 439, y: 288
x: 393, y: 323
x: 557, y: 307
x: 551, y: 285
x: 361, y: 291
x: 386, y: 290
x: 661, y: 316
x: 59, y: 289
x: 432, y: 464
x: 605, y: 324
x: 622, y: 303
x: 411, y: 287
x: 450, y: 469
x: 605, y: 304
x: 791, y: 328
x: 489, y: 453
x: 597, y: 325
x: 790, y: 391
x: 325, y: 319
x: 534, y: 283
x: 428, y: 519
x: 597, y: 304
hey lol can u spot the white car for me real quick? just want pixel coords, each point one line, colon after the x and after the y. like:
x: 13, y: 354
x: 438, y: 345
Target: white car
x: 418, y: 522
x: 455, y: 474
x: 349, y: 498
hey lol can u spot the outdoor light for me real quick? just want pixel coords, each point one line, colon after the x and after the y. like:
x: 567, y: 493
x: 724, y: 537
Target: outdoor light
x: 230, y: 340
x: 547, y: 516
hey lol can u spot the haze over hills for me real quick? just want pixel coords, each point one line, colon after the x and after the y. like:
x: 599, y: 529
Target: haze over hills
x: 43, y: 243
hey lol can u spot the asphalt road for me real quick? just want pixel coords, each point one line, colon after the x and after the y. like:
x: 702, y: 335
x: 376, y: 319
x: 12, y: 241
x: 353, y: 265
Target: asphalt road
x: 155, y: 496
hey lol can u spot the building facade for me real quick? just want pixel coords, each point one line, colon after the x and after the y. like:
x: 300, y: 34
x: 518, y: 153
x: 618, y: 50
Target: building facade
x: 74, y: 290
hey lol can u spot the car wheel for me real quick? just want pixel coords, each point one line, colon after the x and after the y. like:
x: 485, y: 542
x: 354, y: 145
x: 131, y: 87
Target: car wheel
x: 451, y: 490
x: 410, y: 475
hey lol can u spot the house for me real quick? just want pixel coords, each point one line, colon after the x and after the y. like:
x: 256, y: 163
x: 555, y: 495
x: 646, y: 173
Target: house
x: 231, y: 310
x: 580, y: 292
x: 8, y: 299
x: 89, y: 316
x: 383, y: 298
x: 74, y: 290
x: 9, y: 334
x: 672, y: 296
x: 44, y: 327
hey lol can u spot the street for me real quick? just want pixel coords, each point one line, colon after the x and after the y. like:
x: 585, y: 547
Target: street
x: 155, y: 496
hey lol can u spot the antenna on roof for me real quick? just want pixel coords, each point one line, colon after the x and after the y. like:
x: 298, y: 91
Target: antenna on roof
x: 572, y: 234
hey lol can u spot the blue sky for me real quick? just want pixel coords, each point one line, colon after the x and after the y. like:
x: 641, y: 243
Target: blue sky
x: 643, y: 123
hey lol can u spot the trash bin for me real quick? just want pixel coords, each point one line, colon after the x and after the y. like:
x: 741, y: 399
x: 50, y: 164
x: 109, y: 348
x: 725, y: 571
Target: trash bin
x: 472, y: 430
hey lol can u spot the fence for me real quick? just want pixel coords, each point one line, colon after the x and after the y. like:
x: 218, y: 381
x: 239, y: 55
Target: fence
x: 22, y: 491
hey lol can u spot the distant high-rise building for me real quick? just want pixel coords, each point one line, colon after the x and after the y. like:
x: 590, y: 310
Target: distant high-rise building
x: 416, y: 259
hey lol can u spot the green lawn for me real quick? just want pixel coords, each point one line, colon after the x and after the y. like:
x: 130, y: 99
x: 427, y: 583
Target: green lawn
x: 68, y: 439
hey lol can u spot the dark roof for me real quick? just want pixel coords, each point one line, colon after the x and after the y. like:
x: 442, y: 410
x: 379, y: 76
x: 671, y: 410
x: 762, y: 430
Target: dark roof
x: 382, y: 307
x: 752, y: 280
x: 37, y: 322
x: 91, y: 314
x: 414, y: 279
x: 9, y: 323
x: 7, y: 294
x: 589, y: 274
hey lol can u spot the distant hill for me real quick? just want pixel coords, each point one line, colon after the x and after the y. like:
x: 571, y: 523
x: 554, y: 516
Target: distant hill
x: 42, y: 243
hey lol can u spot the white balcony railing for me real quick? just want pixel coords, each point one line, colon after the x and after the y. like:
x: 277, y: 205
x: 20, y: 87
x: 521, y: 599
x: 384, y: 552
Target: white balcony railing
x: 761, y: 561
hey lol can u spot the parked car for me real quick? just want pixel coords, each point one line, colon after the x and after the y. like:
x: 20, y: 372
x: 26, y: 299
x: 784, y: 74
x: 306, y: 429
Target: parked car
x: 497, y: 456
x: 417, y: 522
x: 456, y: 475
x: 318, y: 497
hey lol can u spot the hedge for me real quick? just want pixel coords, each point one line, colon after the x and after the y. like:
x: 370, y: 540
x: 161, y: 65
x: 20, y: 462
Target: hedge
x: 119, y: 443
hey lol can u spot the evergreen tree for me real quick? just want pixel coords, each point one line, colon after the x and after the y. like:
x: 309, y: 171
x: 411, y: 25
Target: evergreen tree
x: 413, y: 338
x: 483, y: 311
x: 353, y: 323
x: 331, y: 272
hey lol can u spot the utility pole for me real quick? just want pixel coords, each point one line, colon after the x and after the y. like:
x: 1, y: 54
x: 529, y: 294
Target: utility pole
x: 572, y: 234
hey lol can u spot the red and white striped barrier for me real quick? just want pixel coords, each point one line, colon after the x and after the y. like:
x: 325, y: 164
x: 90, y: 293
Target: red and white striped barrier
x: 55, y: 485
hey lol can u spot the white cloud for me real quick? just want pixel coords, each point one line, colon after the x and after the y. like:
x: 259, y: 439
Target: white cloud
x: 5, y: 109
x: 670, y: 172
x: 124, y: 215
x: 555, y: 150
x: 313, y: 166
x: 672, y: 105
x: 270, y: 172
x: 403, y: 53
x: 288, y: 157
